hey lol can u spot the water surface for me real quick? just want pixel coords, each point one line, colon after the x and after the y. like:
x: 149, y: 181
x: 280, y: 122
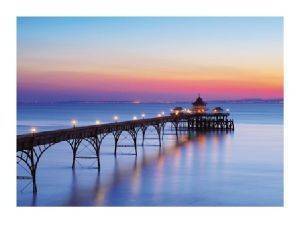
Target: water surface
x: 240, y: 168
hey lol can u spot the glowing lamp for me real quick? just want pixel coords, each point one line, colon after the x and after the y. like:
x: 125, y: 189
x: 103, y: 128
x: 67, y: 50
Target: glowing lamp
x: 98, y: 122
x: 134, y: 118
x: 143, y: 115
x: 162, y: 113
x: 74, y: 123
x: 116, y: 118
x: 227, y: 110
x: 33, y: 130
x: 158, y: 115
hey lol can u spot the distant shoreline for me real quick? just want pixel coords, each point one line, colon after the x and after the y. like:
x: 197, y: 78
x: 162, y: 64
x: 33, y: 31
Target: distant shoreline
x: 165, y: 102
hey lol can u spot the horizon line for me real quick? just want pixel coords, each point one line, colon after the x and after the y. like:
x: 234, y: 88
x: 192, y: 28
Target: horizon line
x: 149, y: 102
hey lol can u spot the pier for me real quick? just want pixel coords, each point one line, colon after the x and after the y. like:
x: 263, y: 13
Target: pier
x: 30, y: 147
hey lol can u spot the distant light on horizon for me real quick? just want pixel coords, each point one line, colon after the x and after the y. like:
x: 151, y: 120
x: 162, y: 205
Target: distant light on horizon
x: 98, y: 122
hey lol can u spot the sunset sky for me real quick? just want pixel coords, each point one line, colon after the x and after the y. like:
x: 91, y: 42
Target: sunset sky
x: 149, y: 59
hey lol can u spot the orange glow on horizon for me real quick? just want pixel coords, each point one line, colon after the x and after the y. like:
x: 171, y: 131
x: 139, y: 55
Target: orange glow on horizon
x: 242, y: 82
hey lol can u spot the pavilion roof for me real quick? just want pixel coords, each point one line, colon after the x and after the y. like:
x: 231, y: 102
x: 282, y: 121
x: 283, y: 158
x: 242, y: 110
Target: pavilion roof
x: 199, y: 102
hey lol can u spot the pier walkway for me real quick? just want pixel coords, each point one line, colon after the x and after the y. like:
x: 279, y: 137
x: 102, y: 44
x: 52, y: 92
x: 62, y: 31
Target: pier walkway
x: 30, y: 147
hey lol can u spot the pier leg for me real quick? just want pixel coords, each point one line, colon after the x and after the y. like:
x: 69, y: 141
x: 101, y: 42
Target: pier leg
x: 135, y: 146
x: 133, y: 133
x: 34, y: 187
x: 175, y: 124
x: 98, y: 157
x: 73, y: 159
x: 159, y: 138
x: 33, y: 171
x: 189, y: 126
x: 74, y: 145
x: 116, y: 145
x: 158, y: 130
x: 163, y: 131
x: 116, y: 137
x: 143, y: 134
x: 96, y: 143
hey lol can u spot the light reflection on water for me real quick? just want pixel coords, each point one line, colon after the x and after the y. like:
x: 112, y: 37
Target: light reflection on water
x: 210, y: 169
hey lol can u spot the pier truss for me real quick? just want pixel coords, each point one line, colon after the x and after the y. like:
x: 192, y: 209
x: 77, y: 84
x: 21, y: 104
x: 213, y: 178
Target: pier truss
x: 30, y: 147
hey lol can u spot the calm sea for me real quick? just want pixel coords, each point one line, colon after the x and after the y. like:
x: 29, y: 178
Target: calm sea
x: 240, y: 168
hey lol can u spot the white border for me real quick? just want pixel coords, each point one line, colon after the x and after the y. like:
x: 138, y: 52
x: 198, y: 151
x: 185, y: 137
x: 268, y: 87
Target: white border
x: 174, y: 215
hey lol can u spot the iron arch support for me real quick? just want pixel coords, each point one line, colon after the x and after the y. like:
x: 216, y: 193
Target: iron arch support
x: 143, y: 129
x: 158, y: 130
x: 133, y: 133
x: 30, y: 158
x: 95, y: 142
x: 176, y: 124
x: 116, y: 135
x: 74, y: 143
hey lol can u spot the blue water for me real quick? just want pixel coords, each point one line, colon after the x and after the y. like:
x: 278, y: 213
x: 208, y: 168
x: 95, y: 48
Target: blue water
x: 55, y: 116
x: 240, y: 168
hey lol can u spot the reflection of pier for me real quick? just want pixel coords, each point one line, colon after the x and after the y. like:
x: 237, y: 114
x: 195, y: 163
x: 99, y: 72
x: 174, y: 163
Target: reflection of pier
x: 30, y: 147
